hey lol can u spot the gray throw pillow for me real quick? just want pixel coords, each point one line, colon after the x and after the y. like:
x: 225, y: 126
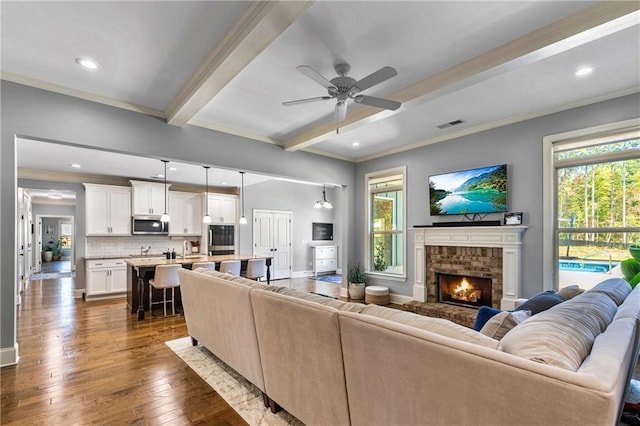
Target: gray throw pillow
x: 569, y: 292
x: 540, y: 302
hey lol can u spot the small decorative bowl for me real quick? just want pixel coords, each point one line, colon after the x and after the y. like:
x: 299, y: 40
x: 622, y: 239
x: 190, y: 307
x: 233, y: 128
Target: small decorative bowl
x: 634, y: 250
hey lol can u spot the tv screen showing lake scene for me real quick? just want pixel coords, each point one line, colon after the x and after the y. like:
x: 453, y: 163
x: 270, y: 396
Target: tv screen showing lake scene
x: 475, y: 191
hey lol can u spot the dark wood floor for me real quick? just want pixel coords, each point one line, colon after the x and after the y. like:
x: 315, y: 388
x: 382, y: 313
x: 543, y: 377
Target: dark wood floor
x: 92, y: 362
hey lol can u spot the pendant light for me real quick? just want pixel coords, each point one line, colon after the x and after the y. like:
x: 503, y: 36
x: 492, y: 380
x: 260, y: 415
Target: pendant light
x: 165, y: 216
x: 206, y: 218
x: 243, y: 219
x: 323, y: 204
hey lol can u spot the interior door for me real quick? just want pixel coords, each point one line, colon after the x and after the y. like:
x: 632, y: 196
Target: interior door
x: 272, y: 237
x: 281, y: 228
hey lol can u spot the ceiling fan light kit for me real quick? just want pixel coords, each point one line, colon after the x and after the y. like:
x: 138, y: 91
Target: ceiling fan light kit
x: 344, y: 88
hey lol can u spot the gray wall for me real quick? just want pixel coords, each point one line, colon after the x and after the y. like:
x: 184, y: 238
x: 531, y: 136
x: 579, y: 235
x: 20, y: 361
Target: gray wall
x: 35, y: 113
x: 518, y: 145
x: 298, y: 199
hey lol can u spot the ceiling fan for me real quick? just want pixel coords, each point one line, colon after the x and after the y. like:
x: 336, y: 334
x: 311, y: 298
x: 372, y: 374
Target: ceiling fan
x: 344, y: 88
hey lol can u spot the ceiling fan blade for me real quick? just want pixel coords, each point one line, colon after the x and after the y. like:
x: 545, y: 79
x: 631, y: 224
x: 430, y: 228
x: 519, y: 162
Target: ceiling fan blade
x: 304, y: 101
x: 377, y: 102
x: 315, y: 76
x: 377, y: 77
x: 341, y: 111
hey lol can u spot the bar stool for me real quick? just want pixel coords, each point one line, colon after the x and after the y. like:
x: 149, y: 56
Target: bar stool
x: 166, y: 276
x: 256, y: 269
x: 206, y: 265
x: 230, y: 266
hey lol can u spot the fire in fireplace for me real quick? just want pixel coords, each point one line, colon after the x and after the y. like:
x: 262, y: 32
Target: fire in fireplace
x: 464, y: 290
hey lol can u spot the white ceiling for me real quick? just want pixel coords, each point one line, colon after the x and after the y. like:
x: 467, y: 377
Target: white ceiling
x: 230, y: 65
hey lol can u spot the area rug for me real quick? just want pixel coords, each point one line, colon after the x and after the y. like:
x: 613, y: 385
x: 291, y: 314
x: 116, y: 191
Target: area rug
x: 52, y: 276
x: 242, y: 396
x: 336, y: 279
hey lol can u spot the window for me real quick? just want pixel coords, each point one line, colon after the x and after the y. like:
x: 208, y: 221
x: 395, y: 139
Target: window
x: 386, y: 223
x: 597, y: 205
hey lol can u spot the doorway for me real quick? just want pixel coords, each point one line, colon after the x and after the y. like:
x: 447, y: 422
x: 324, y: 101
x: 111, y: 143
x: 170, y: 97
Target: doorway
x: 55, y: 244
x: 272, y: 237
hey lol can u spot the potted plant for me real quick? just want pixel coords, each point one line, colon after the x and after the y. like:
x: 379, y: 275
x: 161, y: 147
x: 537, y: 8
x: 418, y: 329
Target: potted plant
x: 634, y: 250
x: 54, y: 248
x: 47, y: 253
x: 356, y: 282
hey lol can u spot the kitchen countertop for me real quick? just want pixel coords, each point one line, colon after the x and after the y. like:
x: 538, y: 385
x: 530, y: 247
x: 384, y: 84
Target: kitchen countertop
x: 110, y: 256
x: 137, y: 262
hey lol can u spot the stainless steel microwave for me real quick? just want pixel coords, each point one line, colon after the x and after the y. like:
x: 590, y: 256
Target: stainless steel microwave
x: 149, y: 225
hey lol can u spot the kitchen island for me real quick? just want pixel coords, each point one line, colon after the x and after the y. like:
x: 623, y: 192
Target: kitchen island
x: 141, y: 269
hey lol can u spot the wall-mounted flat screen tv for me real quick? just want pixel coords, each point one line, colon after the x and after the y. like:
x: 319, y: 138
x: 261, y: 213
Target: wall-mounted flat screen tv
x: 476, y: 191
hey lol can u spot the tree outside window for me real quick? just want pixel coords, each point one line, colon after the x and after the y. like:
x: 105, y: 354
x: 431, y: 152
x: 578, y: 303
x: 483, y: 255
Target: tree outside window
x: 386, y: 243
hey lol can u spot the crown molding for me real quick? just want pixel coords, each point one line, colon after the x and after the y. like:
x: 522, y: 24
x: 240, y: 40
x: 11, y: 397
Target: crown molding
x: 501, y: 123
x: 39, y: 84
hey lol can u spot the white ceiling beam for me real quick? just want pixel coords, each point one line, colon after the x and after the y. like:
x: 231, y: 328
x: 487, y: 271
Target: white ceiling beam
x: 258, y: 26
x: 562, y: 35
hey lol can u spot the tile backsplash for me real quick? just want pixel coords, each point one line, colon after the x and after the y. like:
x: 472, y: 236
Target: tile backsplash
x: 115, y: 246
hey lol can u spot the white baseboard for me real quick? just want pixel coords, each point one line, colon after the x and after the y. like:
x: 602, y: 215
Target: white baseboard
x: 400, y: 299
x: 78, y: 292
x: 104, y: 296
x: 302, y: 274
x: 9, y: 356
x: 306, y: 274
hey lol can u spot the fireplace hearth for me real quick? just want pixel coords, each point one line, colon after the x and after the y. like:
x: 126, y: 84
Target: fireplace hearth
x: 464, y: 290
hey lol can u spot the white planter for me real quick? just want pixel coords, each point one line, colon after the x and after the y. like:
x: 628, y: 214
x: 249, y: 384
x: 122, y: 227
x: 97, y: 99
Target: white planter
x: 48, y: 255
x: 356, y: 291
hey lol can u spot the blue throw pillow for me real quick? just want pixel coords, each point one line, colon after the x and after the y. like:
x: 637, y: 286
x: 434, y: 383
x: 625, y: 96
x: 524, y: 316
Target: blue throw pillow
x: 540, y: 302
x: 484, y: 314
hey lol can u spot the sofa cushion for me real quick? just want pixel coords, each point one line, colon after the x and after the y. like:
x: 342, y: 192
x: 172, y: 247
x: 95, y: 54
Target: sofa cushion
x: 563, y: 335
x: 540, y: 302
x: 439, y: 326
x: 485, y: 313
x: 569, y: 292
x: 616, y: 288
x: 326, y: 301
x: 498, y: 325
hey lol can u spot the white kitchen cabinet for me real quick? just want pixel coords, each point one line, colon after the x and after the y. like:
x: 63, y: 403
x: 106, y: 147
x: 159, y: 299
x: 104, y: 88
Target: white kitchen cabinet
x: 223, y: 208
x: 324, y: 259
x: 185, y: 210
x: 105, y: 278
x: 148, y: 198
x: 108, y: 210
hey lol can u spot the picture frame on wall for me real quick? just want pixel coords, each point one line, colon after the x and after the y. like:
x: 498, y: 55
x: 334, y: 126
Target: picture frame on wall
x: 513, y: 218
x: 322, y: 231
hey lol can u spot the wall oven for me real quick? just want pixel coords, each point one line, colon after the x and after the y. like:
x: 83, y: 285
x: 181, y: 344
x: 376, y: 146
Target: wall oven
x: 148, y: 225
x: 221, y: 239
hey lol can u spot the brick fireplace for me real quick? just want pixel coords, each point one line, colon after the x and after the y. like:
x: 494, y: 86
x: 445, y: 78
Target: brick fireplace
x: 470, y: 262
x: 492, y: 252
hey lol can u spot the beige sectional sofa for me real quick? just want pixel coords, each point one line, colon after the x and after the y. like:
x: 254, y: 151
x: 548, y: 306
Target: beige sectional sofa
x: 329, y: 362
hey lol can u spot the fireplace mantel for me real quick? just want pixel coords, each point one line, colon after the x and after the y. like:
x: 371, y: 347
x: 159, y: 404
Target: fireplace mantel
x: 509, y: 238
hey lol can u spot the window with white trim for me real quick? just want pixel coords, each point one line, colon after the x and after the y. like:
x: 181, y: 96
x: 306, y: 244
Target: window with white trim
x: 597, y: 199
x: 386, y: 218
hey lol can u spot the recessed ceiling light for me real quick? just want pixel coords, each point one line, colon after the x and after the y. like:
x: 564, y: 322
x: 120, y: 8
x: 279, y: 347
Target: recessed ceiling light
x: 581, y: 72
x: 74, y: 165
x: 356, y: 144
x: 87, y: 63
x: 172, y: 169
x: 160, y: 176
x: 223, y: 183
